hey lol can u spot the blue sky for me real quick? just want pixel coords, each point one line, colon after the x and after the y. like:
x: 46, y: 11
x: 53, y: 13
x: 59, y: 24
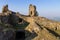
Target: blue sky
x: 46, y: 8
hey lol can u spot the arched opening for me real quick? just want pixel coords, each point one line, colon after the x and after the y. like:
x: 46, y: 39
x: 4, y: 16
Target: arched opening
x: 20, y: 35
x: 31, y: 13
x: 20, y: 20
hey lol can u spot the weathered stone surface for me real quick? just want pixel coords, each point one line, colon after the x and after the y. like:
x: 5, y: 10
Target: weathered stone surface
x: 6, y: 33
x: 5, y: 9
x: 32, y: 10
x: 37, y: 28
x: 4, y: 19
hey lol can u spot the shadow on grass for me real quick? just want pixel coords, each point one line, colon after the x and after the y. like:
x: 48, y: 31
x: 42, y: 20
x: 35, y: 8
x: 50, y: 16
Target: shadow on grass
x: 54, y: 33
x: 23, y: 34
x: 39, y: 25
x: 22, y: 25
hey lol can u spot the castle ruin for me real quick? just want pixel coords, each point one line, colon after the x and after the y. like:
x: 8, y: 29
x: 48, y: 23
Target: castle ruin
x: 14, y: 25
x: 32, y: 10
x: 5, y: 8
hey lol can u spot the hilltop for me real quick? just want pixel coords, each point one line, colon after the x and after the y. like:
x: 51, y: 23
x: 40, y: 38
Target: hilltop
x: 31, y: 26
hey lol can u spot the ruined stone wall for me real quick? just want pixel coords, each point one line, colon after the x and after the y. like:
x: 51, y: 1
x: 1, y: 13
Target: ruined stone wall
x: 32, y: 10
x: 8, y: 16
x: 5, y: 9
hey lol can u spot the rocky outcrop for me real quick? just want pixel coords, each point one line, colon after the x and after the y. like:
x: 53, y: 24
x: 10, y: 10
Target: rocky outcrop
x: 7, y: 34
x: 35, y: 27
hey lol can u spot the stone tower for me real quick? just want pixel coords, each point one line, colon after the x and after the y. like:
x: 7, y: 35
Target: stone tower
x: 32, y: 10
x: 5, y: 9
